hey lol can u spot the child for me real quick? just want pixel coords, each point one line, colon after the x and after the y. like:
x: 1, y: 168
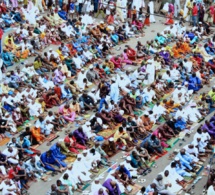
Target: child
x: 134, y: 13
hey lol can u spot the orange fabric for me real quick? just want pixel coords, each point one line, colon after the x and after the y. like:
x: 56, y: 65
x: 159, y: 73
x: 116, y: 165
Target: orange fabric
x: 169, y: 19
x: 57, y: 90
x: 176, y: 52
x: 147, y: 123
x: 36, y: 134
x: 146, y: 22
x: 110, y: 19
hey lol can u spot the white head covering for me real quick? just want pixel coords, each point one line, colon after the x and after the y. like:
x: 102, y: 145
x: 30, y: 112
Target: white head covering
x: 111, y: 139
x: 177, y: 159
x: 91, y: 66
x: 128, y: 158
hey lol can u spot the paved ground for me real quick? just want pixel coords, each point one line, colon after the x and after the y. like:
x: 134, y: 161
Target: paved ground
x: 42, y: 187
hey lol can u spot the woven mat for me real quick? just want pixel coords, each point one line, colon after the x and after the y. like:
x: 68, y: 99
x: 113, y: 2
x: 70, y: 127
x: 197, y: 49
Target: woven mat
x: 4, y: 141
x: 51, y: 137
x: 172, y: 141
x: 107, y: 133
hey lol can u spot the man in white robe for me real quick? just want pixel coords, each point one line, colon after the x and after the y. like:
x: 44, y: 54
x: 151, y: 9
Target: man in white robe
x: 151, y: 10
x: 78, y: 61
x: 35, y: 109
x: 12, y: 155
x: 88, y: 130
x: 193, y: 113
x: 150, y: 71
x: 114, y: 91
x: 177, y: 7
x: 29, y: 70
x: 127, y: 164
x: 83, y: 174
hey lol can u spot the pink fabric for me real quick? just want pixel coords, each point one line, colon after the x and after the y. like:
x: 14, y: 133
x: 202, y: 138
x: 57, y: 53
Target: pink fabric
x: 69, y: 117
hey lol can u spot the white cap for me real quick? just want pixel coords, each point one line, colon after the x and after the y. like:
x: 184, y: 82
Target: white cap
x: 84, y: 151
x: 200, y: 22
x: 185, y: 83
x: 177, y: 159
x: 97, y: 179
x: 18, y: 109
x: 37, y: 125
x: 93, y: 89
x: 121, y: 163
x: 50, y: 49
x: 91, y: 66
x: 128, y: 158
x: 111, y: 139
x: 79, y: 156
x: 52, y: 29
x: 162, y: 48
x: 179, y: 86
x: 113, y: 79
x: 88, y: 123
x: 102, y: 22
x: 82, y: 69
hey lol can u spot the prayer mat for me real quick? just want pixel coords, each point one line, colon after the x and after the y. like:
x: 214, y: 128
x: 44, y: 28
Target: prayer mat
x: 150, y: 164
x: 103, y: 170
x: 135, y: 189
x: 51, y: 137
x: 85, y: 186
x: 35, y: 152
x: 31, y: 118
x: 172, y: 141
x: 70, y: 159
x: 4, y: 141
x: 139, y: 112
x: 164, y: 153
x: 20, y: 128
x: 211, y: 110
x: 199, y: 170
x: 35, y: 146
x: 107, y: 133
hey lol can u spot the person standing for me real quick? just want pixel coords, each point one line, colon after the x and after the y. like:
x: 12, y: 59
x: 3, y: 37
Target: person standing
x: 194, y: 14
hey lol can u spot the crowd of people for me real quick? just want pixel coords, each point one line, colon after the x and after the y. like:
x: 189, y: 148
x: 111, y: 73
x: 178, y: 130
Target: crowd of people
x: 143, y: 94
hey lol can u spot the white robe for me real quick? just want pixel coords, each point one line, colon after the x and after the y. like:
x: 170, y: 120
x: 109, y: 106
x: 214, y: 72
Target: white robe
x: 35, y: 109
x: 175, y: 187
x: 87, y: 131
x: 177, y: 7
x: 114, y: 92
x: 79, y: 165
x: 11, y: 154
x: 151, y: 9
x: 150, y: 69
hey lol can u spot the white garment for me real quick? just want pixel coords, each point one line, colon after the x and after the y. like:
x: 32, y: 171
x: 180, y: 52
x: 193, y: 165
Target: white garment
x: 151, y: 9
x: 12, y: 154
x: 35, y: 109
x: 150, y: 69
x: 211, y: 190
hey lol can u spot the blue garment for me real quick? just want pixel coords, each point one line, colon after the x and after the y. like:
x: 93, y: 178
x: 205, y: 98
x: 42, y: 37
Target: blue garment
x: 185, y: 160
x: 181, y: 171
x: 194, y: 83
x: 180, y: 123
x: 124, y: 170
x: 25, y: 144
x: 46, y: 160
x: 57, y: 153
x: 62, y: 14
x: 101, y: 103
x: 7, y: 58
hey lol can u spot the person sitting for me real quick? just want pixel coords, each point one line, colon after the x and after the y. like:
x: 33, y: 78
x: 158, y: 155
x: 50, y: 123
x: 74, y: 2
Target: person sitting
x: 122, y: 139
x: 67, y: 113
x: 50, y: 161
x: 153, y: 145
x: 80, y: 136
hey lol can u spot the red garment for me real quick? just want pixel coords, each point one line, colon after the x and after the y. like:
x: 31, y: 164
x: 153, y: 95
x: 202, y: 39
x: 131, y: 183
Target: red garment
x: 12, y: 171
x: 131, y: 53
x: 1, y: 33
x: 49, y: 102
x: 57, y: 90
x: 195, y: 11
x: 73, y: 145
